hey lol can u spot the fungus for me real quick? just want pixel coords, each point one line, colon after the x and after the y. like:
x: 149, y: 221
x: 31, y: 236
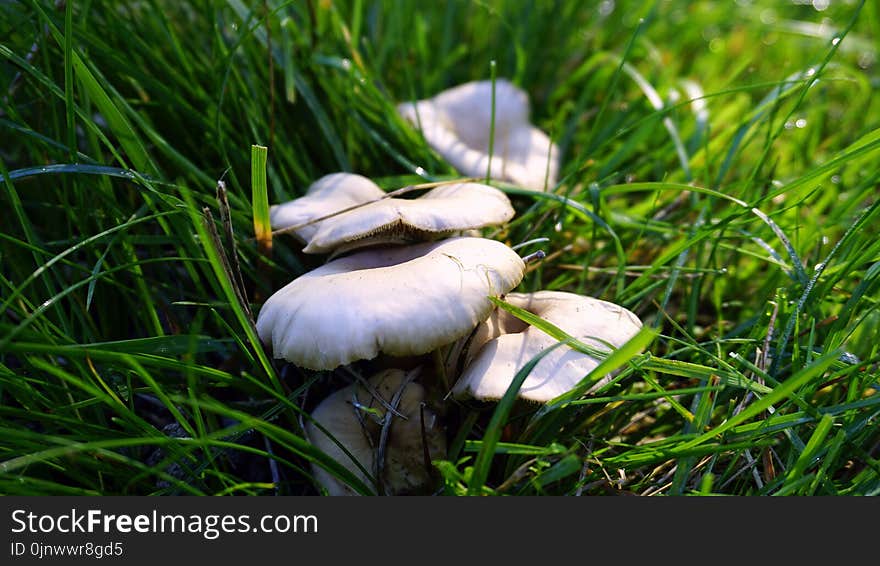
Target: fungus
x: 385, y: 427
x: 329, y: 194
x: 404, y: 300
x: 457, y: 123
x: 504, y: 344
x: 440, y: 212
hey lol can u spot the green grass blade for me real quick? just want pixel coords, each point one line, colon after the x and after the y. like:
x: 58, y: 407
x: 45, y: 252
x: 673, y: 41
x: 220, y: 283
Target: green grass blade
x: 260, y: 199
x: 117, y: 121
x: 811, y: 451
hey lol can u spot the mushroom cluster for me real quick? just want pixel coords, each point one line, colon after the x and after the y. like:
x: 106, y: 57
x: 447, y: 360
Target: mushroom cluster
x: 401, y: 280
x: 414, y: 277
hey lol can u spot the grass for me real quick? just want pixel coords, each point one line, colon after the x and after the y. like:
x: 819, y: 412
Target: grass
x: 719, y: 178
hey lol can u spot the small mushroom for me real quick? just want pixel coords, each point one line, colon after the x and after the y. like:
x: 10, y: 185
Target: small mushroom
x: 329, y: 194
x: 389, y: 443
x: 503, y: 344
x: 457, y: 124
x: 440, y: 212
x: 403, y: 300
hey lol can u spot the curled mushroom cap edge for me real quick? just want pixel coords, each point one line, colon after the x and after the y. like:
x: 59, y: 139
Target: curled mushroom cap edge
x: 401, y: 301
x: 457, y: 123
x: 503, y: 344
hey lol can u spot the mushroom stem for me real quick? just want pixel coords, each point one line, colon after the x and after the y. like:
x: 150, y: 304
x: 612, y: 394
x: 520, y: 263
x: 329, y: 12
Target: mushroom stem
x: 439, y: 359
x: 426, y: 453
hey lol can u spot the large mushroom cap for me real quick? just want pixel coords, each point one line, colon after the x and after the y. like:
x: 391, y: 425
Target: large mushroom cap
x: 441, y: 211
x: 403, y: 469
x: 402, y: 301
x: 503, y: 345
x: 457, y: 124
x: 331, y: 193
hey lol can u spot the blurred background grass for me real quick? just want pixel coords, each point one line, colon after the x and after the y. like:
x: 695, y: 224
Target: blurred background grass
x: 719, y: 179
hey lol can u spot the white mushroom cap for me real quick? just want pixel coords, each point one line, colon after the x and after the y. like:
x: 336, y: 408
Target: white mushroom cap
x: 403, y: 468
x: 440, y: 211
x: 402, y: 301
x: 503, y: 345
x: 457, y: 124
x: 331, y: 193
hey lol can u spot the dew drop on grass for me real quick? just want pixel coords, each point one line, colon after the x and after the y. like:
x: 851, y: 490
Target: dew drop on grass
x: 866, y: 59
x: 835, y: 41
x: 849, y: 358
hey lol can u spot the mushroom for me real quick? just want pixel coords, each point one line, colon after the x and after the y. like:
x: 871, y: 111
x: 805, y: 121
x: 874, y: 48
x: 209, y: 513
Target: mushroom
x: 385, y: 419
x: 457, y: 124
x: 329, y: 194
x: 504, y: 344
x: 404, y: 300
x: 440, y: 212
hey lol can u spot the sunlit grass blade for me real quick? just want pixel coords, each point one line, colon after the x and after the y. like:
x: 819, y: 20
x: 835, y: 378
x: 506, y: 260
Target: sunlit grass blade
x: 260, y: 202
x: 780, y: 393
